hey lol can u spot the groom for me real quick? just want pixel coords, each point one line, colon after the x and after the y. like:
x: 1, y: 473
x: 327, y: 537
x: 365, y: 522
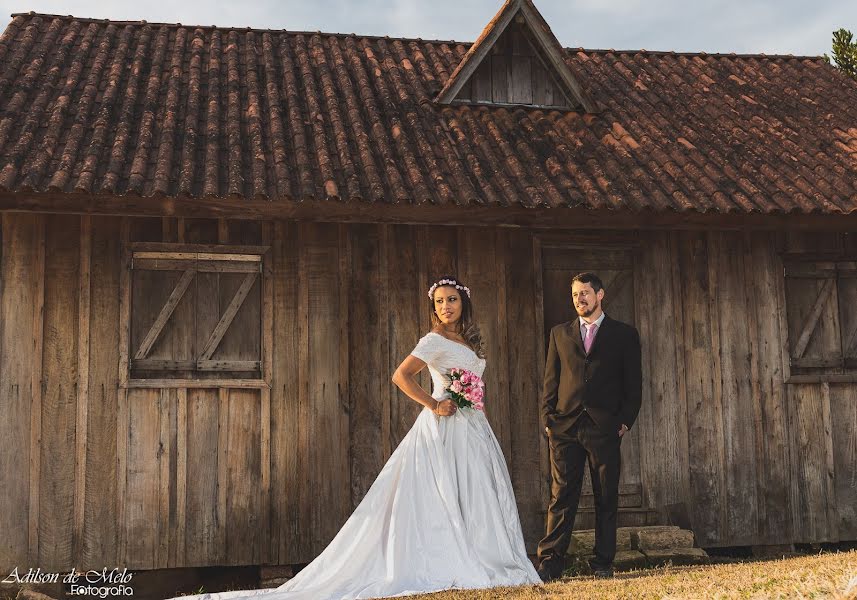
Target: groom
x: 591, y: 397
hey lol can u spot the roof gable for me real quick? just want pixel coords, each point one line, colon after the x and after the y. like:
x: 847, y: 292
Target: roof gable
x: 515, y: 58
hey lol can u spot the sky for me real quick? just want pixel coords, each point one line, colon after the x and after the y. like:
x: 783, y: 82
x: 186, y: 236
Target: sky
x: 799, y: 27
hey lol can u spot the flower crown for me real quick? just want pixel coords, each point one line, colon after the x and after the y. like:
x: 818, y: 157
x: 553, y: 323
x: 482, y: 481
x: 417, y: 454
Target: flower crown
x: 451, y: 282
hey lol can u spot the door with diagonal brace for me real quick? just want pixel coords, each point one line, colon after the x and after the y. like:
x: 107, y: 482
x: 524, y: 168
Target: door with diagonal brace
x: 615, y: 267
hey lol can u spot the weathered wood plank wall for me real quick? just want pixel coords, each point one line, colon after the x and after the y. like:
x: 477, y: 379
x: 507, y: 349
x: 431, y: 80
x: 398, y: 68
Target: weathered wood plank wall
x: 765, y: 305
x: 56, y: 472
x: 21, y: 237
x: 724, y: 439
x: 704, y: 406
x: 99, y: 543
x: 663, y: 421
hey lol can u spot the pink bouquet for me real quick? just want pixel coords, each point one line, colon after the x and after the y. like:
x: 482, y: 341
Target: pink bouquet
x: 466, y: 389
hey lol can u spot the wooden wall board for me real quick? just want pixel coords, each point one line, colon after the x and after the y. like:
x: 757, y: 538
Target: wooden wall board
x: 20, y: 238
x: 58, y: 395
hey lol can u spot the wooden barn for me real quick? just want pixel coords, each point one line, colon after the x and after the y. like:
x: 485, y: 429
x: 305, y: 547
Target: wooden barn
x: 216, y: 244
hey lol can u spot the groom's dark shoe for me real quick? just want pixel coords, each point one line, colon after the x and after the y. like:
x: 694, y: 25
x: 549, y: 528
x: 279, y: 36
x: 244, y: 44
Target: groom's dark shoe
x: 545, y: 575
x: 548, y: 571
x: 603, y: 573
x: 600, y: 571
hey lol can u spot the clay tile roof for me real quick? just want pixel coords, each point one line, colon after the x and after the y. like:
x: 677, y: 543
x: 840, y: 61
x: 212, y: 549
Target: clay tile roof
x: 135, y: 108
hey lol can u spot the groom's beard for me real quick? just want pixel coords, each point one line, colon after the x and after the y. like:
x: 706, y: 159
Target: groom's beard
x: 585, y: 312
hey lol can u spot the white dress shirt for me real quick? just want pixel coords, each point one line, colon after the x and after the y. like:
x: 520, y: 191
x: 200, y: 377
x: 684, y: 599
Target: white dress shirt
x: 584, y: 326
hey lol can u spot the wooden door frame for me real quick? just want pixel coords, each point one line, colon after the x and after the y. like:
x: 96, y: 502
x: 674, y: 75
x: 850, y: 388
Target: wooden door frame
x: 626, y: 240
x: 126, y: 384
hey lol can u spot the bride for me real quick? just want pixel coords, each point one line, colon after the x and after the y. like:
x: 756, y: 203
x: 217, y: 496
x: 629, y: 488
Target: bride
x: 442, y: 513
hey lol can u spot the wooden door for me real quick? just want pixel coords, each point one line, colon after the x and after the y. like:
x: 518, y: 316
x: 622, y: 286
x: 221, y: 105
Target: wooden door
x: 194, y: 409
x: 615, y: 267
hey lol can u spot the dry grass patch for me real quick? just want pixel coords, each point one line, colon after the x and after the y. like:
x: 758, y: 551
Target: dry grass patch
x: 829, y: 575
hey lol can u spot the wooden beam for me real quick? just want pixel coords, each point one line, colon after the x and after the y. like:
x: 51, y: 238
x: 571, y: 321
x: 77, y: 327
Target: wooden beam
x: 782, y: 317
x: 181, y: 476
x: 212, y: 251
x: 821, y: 378
x: 714, y: 254
x: 222, y: 469
x: 197, y: 256
x: 475, y: 215
x: 168, y: 229
x: 851, y: 338
x: 195, y: 383
x: 266, y: 353
x: 542, y: 107
x: 385, y: 278
x: 204, y: 266
x: 817, y: 256
x: 806, y: 269
x: 586, y: 239
x: 265, y: 467
x: 304, y: 413
x: 156, y: 364
x: 500, y: 324
x: 163, y: 542
x: 267, y: 341
x: 123, y: 413
x: 229, y: 365
x: 812, y: 319
x: 828, y: 473
x: 36, y: 347
x: 817, y: 363
x: 771, y: 433
x: 81, y: 425
x: 124, y: 298
x: 166, y: 312
x: 222, y: 231
x: 539, y: 298
x: 344, y: 297
x: 226, y: 319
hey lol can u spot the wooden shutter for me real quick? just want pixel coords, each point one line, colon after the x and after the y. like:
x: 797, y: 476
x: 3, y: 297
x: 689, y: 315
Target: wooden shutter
x: 195, y: 314
x: 812, y: 307
x: 846, y: 286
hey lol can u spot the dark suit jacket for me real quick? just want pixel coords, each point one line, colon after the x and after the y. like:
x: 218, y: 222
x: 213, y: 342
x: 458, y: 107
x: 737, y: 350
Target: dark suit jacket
x: 608, y: 382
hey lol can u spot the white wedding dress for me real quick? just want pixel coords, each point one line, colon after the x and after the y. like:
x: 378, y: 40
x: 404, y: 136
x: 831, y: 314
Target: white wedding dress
x: 440, y: 515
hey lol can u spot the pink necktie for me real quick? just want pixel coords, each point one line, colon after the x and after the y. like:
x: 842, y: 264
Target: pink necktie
x: 590, y: 335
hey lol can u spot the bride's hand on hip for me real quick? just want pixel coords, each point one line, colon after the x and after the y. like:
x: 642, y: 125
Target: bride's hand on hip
x: 445, y: 408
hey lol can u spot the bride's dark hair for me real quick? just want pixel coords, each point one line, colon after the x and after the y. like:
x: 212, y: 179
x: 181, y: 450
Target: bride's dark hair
x: 466, y: 326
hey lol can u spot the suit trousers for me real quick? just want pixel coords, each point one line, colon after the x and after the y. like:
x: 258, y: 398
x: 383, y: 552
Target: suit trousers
x: 585, y: 442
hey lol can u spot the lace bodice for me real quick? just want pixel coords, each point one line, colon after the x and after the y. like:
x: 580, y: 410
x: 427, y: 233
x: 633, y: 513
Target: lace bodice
x: 441, y: 355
